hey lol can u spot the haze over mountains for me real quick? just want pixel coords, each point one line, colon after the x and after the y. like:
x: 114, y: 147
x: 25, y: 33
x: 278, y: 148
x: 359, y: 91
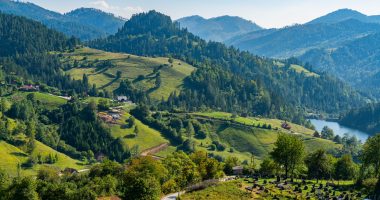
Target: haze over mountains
x: 344, y: 43
x: 219, y: 28
x: 83, y: 23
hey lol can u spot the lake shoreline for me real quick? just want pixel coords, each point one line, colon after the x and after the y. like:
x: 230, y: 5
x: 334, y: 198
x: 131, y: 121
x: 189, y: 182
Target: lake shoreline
x: 339, y: 129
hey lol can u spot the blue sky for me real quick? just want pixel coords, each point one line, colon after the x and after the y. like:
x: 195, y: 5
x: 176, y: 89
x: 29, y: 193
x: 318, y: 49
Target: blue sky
x: 267, y: 13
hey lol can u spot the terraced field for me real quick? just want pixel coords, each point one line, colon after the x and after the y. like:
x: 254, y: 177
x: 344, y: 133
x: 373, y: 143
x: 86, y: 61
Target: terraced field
x: 138, y: 69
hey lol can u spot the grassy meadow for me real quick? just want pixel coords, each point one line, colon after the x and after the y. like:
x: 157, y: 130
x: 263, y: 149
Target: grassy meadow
x: 172, y: 73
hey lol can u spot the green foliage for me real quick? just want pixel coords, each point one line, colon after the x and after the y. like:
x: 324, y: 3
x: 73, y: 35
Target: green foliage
x: 140, y: 187
x: 320, y: 165
x: 288, y: 151
x: 366, y: 118
x: 327, y: 133
x: 181, y: 169
x: 269, y: 168
x: 22, y: 188
x: 371, y: 153
x: 345, y: 168
x: 143, y: 179
x: 83, y: 130
x: 229, y: 163
x: 208, y: 168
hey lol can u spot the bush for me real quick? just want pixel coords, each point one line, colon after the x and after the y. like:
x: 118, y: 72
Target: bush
x: 201, y: 135
x: 219, y: 146
x: 169, y: 186
x: 369, y: 184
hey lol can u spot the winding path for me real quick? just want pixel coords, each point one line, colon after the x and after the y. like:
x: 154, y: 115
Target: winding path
x: 172, y: 196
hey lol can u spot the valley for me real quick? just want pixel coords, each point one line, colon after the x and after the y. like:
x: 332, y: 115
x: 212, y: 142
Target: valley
x: 94, y: 106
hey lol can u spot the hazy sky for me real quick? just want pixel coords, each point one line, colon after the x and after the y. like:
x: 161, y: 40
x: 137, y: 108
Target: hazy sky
x: 267, y: 13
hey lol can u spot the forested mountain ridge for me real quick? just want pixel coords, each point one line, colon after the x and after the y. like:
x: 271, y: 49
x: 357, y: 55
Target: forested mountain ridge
x: 218, y: 28
x: 356, y: 62
x: 366, y: 118
x: 345, y: 14
x: 77, y: 23
x: 227, y: 78
x: 343, y: 43
x: 96, y: 18
x: 298, y: 39
x: 25, y: 53
x: 21, y: 36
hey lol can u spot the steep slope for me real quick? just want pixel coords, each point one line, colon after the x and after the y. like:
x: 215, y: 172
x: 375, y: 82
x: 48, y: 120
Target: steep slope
x: 137, y: 69
x: 343, y: 15
x: 19, y: 36
x: 343, y: 43
x: 227, y: 78
x: 366, y: 118
x: 219, y: 28
x: 356, y: 62
x: 77, y: 23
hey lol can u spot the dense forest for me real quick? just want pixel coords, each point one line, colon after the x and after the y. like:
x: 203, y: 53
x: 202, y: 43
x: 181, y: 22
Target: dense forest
x: 227, y: 77
x: 25, y: 57
x: 83, y: 23
x: 366, y: 118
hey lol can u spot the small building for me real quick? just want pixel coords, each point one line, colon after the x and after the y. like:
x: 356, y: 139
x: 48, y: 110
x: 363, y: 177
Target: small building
x: 115, y: 116
x: 30, y: 88
x: 122, y: 98
x: 286, y: 126
x: 237, y: 170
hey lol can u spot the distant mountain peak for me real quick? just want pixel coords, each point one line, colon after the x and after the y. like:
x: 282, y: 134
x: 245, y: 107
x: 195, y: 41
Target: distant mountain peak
x: 219, y: 28
x: 341, y: 15
x: 82, y: 10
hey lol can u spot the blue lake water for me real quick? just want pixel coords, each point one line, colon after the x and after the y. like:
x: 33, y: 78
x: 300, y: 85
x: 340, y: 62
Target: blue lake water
x: 339, y: 129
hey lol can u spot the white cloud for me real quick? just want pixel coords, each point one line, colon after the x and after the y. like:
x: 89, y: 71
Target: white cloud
x: 100, y: 4
x: 123, y: 11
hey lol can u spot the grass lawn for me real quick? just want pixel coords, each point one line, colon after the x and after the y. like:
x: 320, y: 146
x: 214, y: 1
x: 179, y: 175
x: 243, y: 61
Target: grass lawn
x: 275, y: 123
x: 48, y: 100
x: 131, y: 66
x: 300, y: 69
x: 146, y: 138
x: 260, y: 141
x: 12, y: 156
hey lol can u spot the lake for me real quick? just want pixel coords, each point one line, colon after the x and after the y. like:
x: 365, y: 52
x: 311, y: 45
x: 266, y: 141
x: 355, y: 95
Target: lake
x: 339, y: 129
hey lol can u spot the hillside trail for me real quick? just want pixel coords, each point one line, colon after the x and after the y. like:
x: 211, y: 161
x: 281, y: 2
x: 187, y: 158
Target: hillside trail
x: 154, y: 150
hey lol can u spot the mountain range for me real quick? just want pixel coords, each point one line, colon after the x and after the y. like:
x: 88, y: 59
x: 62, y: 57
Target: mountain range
x: 219, y: 28
x: 344, y: 43
x: 83, y: 23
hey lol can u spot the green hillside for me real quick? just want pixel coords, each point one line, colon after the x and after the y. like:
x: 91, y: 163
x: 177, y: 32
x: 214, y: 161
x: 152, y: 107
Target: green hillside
x: 137, y: 69
x: 12, y: 156
x: 48, y: 100
x: 245, y: 135
x: 145, y: 139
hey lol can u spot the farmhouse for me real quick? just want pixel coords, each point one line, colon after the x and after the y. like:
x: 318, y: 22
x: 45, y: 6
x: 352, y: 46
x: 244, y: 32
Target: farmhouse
x: 286, y: 126
x: 30, y: 88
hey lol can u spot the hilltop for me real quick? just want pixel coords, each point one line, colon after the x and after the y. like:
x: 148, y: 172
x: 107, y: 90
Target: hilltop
x: 218, y: 28
x: 83, y: 23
